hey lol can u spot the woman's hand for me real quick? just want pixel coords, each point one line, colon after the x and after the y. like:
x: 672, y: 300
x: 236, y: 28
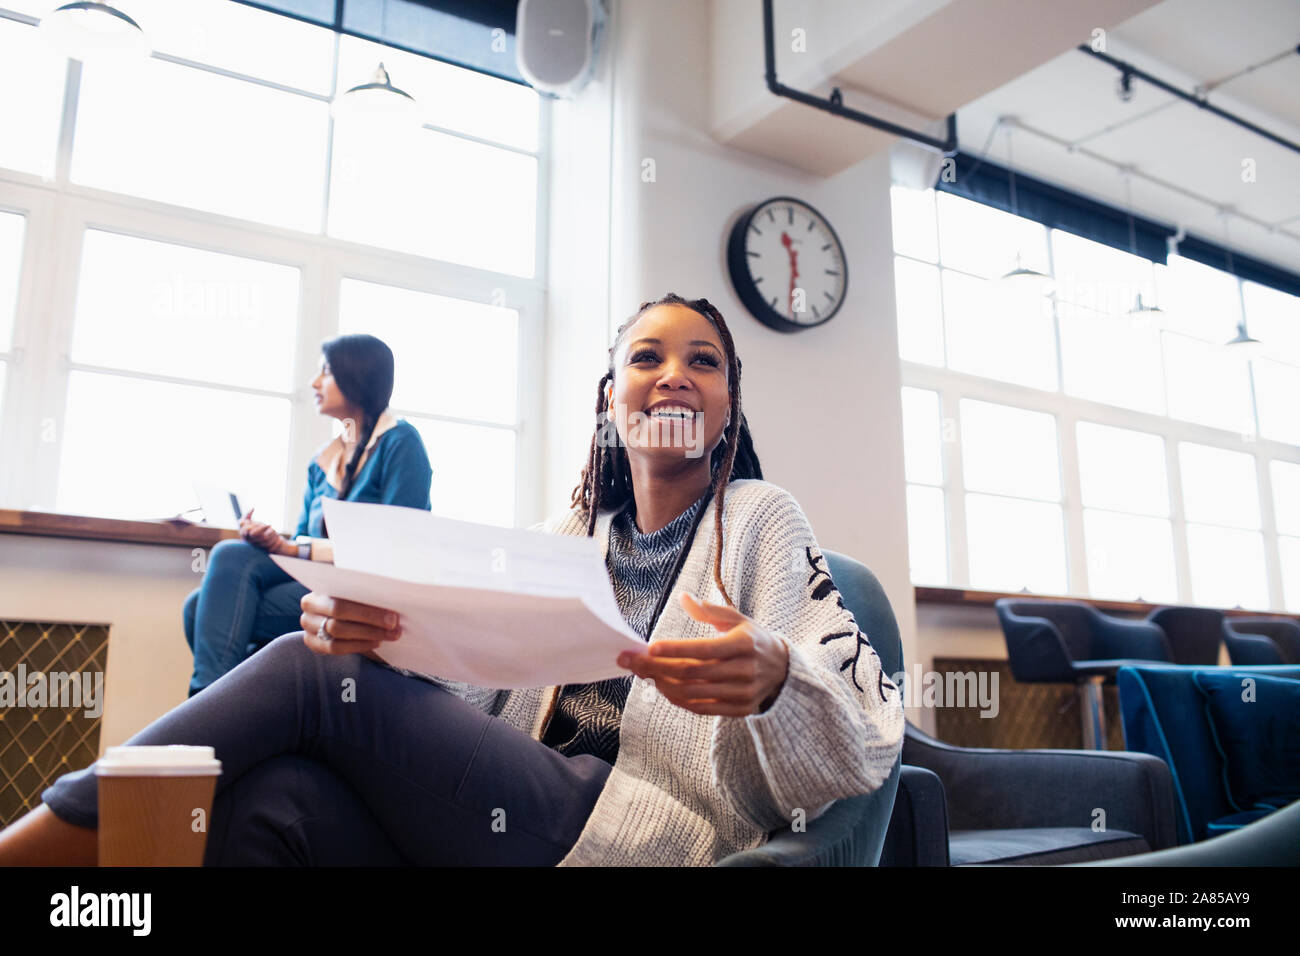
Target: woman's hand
x: 737, y: 674
x: 335, y: 626
x: 264, y: 536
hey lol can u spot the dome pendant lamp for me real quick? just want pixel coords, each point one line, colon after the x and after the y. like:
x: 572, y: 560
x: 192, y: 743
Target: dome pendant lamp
x: 94, y: 32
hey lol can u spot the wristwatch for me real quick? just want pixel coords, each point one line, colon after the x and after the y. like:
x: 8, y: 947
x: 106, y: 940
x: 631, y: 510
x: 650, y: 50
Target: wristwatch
x: 304, y: 550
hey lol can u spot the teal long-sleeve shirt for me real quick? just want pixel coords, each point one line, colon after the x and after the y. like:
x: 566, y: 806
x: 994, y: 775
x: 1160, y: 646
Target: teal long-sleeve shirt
x: 395, y: 472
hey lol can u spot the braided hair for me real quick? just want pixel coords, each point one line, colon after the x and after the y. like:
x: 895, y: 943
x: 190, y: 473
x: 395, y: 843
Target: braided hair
x: 362, y: 366
x: 607, y: 477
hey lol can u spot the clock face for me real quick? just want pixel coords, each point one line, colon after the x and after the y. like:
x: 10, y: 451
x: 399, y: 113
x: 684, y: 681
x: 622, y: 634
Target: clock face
x: 787, y: 265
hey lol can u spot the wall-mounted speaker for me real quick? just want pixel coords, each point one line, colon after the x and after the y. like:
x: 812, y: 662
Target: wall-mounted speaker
x: 557, y: 42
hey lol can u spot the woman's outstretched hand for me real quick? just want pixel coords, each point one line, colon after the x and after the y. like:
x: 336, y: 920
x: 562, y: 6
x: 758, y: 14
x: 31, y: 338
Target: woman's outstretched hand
x: 737, y: 674
x: 335, y: 626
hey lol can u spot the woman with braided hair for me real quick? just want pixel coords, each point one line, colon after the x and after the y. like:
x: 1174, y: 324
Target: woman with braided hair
x: 758, y: 700
x: 246, y: 599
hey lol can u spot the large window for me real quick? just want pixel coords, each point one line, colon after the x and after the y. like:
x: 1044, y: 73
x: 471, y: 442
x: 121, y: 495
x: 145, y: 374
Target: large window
x: 1128, y: 535
x: 463, y: 396
x: 1059, y: 440
x: 186, y: 232
x: 11, y: 254
x: 1286, y: 492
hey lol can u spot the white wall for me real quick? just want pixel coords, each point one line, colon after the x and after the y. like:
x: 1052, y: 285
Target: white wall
x: 824, y: 404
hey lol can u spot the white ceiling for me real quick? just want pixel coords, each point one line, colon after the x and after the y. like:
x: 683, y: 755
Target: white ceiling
x: 1187, y: 43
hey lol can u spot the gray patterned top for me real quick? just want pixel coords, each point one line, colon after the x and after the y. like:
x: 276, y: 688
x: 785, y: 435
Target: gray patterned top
x: 587, y: 716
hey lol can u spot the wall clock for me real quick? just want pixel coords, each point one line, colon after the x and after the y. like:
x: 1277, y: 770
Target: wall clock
x: 787, y: 265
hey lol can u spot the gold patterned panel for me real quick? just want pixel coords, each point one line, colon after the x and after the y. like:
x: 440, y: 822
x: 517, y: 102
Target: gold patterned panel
x: 44, y: 737
x: 1029, y: 715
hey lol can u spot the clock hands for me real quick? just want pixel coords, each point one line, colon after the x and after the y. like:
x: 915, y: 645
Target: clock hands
x: 794, y: 264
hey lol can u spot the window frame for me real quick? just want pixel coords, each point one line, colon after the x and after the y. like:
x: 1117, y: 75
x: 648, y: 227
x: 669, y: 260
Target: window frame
x: 1069, y: 410
x: 58, y: 212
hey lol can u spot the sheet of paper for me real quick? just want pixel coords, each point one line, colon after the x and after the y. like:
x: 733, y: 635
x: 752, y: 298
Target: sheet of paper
x: 498, y: 607
x: 412, y: 544
x: 492, y: 638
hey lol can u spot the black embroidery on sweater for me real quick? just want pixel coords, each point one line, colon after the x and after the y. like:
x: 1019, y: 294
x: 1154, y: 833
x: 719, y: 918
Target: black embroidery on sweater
x: 822, y: 588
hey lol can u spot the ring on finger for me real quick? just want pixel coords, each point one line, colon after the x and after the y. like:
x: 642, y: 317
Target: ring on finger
x: 323, y: 633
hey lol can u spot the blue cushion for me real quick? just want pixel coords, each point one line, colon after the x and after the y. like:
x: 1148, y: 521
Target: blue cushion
x: 1235, y: 821
x: 1259, y: 739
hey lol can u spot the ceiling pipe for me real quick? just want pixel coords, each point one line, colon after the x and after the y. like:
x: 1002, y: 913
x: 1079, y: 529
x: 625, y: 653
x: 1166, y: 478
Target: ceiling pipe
x: 1128, y: 71
x: 835, y: 103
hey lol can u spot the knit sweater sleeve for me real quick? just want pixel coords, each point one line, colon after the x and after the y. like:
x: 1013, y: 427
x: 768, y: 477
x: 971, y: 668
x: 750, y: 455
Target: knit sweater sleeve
x: 836, y: 726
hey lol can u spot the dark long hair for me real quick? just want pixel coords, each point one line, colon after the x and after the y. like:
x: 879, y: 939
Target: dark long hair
x: 607, y: 476
x: 362, y: 366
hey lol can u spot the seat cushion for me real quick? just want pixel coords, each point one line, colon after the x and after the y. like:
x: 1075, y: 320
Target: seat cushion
x: 1041, y: 846
x: 1257, y: 738
x: 1235, y: 821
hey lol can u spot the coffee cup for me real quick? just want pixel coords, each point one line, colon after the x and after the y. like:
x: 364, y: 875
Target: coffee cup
x: 154, y: 804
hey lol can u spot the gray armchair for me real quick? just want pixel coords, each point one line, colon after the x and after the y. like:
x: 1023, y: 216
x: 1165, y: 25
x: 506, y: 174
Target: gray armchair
x: 1007, y: 806
x: 852, y: 831
x: 1038, y: 807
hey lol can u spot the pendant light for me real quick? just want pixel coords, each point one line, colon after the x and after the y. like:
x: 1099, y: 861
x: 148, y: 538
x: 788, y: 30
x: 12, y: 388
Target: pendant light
x: 1020, y: 278
x: 94, y: 32
x: 1140, y: 311
x: 378, y: 101
x: 1241, y: 345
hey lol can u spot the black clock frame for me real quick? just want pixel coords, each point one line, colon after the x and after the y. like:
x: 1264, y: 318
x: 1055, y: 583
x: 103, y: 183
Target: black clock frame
x: 742, y: 280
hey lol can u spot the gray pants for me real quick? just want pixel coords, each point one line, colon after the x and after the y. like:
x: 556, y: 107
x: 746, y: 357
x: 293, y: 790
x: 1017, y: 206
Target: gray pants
x: 393, y: 771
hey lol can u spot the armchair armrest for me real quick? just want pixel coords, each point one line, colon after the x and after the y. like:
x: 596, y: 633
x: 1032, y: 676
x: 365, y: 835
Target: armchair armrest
x: 849, y: 833
x: 1251, y: 650
x: 1036, y: 649
x: 1009, y: 789
x: 918, y: 830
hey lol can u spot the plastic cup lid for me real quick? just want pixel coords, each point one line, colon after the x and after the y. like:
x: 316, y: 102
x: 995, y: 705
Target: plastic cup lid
x: 172, y: 760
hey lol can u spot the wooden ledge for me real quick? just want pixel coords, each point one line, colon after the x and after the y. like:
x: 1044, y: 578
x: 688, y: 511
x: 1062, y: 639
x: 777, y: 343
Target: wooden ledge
x: 938, y: 595
x: 168, y: 531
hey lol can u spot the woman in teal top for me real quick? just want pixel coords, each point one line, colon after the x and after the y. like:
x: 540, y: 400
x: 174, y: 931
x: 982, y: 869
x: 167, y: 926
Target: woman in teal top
x: 246, y: 599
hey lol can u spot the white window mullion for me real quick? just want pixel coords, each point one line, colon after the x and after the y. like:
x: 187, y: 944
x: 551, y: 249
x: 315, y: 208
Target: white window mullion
x: 955, y: 497
x: 1177, y: 514
x: 26, y: 363
x: 318, y: 320
x: 1268, y: 520
x: 68, y: 123
x: 530, y: 502
x: 1076, y: 556
x: 51, y: 322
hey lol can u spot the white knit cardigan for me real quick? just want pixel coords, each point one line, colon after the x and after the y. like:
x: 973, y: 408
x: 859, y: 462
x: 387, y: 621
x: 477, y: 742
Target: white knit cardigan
x: 689, y: 789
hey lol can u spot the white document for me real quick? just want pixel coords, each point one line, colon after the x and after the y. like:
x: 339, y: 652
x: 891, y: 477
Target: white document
x: 497, y: 607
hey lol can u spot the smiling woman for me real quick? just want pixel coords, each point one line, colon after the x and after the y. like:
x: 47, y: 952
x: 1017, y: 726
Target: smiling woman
x: 757, y: 702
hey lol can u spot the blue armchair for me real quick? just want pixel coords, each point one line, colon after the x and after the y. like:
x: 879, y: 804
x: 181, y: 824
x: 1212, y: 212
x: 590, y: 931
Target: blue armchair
x: 1262, y: 640
x: 1166, y: 713
x: 1072, y: 642
x: 852, y: 831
